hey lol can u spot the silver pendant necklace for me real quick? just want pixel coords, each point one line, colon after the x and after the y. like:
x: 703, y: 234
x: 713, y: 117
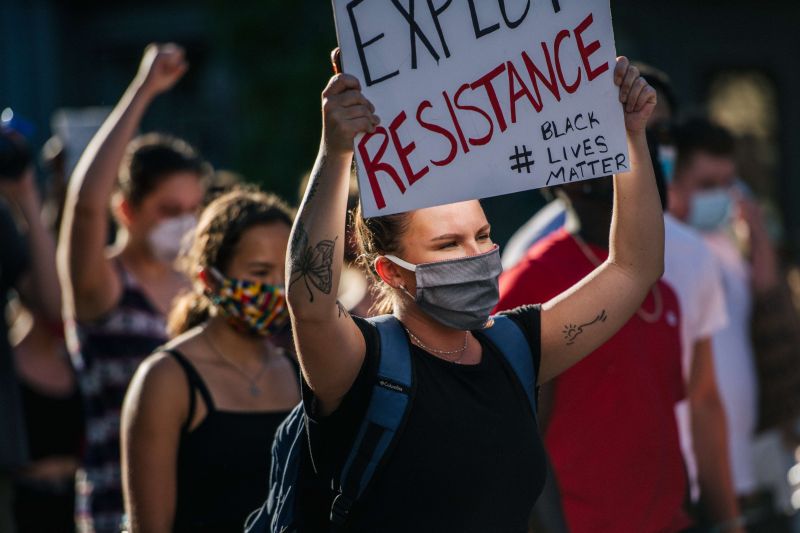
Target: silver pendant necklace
x: 254, y: 389
x: 422, y: 345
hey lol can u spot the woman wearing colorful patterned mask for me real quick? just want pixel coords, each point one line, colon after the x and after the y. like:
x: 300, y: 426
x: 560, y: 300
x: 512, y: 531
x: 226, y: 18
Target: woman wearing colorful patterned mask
x: 200, y: 414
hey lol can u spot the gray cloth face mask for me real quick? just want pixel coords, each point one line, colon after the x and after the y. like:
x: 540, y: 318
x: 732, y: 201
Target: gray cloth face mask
x: 459, y: 293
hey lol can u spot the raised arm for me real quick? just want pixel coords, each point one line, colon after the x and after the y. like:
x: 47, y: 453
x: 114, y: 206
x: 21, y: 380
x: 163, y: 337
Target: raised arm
x: 330, y: 347
x: 83, y: 264
x: 600, y: 304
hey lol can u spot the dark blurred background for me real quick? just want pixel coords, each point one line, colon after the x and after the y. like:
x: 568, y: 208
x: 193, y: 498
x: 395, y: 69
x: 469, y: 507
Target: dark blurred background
x: 251, y: 99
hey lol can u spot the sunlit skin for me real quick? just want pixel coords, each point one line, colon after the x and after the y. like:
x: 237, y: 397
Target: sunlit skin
x: 635, y: 262
x: 85, y: 265
x: 157, y: 406
x: 703, y: 172
x: 436, y: 234
x: 259, y: 256
x: 178, y: 194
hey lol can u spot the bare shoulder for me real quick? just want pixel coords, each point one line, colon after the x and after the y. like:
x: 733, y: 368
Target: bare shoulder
x: 161, y: 382
x: 162, y: 369
x: 158, y: 379
x: 156, y: 402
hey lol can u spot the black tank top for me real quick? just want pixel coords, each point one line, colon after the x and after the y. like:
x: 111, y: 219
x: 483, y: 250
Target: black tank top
x: 54, y: 422
x: 223, y: 463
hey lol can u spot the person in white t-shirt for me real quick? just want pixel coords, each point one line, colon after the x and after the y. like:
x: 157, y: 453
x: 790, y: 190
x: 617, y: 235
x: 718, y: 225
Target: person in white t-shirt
x: 691, y: 269
x: 704, y: 194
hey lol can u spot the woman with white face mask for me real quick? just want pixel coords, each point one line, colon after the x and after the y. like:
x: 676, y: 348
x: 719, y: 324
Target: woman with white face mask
x: 117, y: 299
x: 469, y: 458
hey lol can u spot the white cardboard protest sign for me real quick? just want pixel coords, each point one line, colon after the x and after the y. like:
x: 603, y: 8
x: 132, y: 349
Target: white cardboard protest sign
x: 479, y: 98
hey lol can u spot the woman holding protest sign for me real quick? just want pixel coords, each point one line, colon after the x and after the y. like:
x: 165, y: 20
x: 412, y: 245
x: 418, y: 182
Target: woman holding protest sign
x: 466, y: 456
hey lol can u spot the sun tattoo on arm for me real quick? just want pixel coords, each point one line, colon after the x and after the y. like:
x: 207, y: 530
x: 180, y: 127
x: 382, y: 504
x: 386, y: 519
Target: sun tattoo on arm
x: 312, y: 265
x: 571, y: 331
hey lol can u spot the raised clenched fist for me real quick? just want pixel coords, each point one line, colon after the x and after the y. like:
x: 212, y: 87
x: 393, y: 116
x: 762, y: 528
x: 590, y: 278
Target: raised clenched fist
x: 638, y: 98
x: 161, y: 67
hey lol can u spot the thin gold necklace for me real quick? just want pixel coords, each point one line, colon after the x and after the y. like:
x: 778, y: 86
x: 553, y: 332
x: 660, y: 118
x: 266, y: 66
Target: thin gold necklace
x: 422, y: 345
x: 255, y: 390
x: 650, y: 318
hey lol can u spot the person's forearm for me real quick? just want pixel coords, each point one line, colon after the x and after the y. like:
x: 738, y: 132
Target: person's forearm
x: 316, y: 247
x: 636, y: 241
x: 44, y: 288
x: 709, y: 434
x: 96, y: 173
x: 84, y: 229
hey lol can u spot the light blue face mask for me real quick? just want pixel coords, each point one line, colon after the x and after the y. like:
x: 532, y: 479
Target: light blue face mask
x: 710, y: 210
x: 666, y: 157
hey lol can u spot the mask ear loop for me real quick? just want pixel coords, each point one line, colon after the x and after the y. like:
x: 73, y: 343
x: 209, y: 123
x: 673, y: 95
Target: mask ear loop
x: 399, y: 262
x: 209, y: 290
x: 402, y: 264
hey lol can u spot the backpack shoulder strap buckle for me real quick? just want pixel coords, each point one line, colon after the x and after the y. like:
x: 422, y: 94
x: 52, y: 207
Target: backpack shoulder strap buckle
x: 340, y: 509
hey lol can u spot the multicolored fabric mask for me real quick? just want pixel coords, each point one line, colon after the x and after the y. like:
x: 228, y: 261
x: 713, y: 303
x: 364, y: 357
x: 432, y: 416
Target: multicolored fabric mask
x: 251, y: 306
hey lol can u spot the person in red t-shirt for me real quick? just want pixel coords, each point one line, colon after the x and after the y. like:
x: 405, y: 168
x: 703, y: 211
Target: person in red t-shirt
x: 609, y: 421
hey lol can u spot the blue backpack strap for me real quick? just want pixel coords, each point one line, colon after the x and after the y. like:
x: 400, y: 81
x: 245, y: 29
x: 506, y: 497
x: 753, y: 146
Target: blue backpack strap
x: 510, y: 340
x: 386, y: 415
x: 277, y: 512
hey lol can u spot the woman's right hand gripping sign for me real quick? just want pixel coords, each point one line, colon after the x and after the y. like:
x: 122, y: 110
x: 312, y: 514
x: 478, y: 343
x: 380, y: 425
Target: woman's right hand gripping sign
x: 345, y: 111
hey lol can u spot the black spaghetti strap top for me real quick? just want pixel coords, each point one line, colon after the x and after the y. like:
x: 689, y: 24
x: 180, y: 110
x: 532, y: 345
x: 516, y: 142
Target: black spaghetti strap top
x: 223, y: 463
x: 54, y: 423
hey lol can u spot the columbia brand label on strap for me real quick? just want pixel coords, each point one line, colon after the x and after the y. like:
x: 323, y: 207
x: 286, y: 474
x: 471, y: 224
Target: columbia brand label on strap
x: 391, y: 385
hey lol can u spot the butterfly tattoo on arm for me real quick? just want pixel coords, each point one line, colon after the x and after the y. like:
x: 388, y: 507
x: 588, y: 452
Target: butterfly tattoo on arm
x: 312, y: 265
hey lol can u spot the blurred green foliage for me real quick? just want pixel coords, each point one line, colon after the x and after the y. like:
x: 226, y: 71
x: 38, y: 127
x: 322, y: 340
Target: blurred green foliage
x: 280, y: 50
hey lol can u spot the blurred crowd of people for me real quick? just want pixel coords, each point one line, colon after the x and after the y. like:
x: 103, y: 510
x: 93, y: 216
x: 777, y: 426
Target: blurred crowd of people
x: 146, y: 359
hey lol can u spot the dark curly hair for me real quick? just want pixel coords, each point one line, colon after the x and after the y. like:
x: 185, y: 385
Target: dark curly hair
x: 219, y: 229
